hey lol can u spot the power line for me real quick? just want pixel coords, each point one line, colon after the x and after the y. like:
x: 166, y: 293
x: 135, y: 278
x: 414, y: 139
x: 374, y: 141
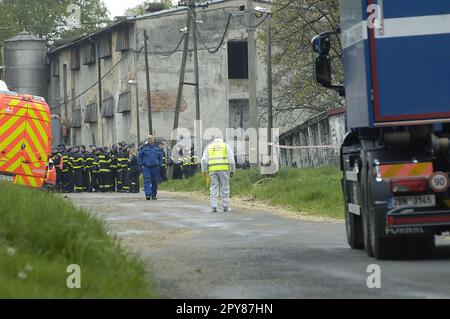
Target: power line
x: 247, y: 26
x: 230, y: 15
x: 221, y: 41
x: 167, y: 53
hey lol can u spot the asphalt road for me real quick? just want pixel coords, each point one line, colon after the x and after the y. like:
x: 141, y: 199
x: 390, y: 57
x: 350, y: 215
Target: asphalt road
x: 252, y: 253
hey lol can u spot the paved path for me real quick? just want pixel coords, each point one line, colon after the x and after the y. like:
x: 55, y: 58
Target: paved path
x: 251, y: 253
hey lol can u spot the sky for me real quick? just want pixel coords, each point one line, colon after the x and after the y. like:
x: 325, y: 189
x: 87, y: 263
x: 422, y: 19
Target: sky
x: 118, y: 7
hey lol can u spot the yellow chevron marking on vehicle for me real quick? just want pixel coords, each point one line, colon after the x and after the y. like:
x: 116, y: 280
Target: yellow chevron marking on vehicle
x: 29, y: 151
x: 13, y: 136
x: 13, y: 150
x: 15, y: 165
x: 41, y: 109
x: 28, y: 172
x: 41, y: 130
x: 18, y: 180
x: 14, y: 102
x: 36, y: 143
x: 12, y: 120
x: 34, y: 115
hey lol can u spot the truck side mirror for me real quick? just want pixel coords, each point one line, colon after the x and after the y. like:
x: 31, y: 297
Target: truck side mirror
x: 323, y: 70
x: 321, y: 44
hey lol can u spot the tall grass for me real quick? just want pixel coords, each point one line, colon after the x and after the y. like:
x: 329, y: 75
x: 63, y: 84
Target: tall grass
x: 309, y: 190
x: 41, y: 234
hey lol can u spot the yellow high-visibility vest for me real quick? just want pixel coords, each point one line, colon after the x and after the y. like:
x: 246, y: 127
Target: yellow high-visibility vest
x: 217, y: 157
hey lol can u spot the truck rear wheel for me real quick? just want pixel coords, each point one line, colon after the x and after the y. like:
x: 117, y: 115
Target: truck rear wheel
x: 365, y: 210
x: 380, y: 246
x: 353, y: 223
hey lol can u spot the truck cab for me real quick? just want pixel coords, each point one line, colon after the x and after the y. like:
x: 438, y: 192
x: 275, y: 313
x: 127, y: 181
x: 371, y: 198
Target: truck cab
x: 395, y: 157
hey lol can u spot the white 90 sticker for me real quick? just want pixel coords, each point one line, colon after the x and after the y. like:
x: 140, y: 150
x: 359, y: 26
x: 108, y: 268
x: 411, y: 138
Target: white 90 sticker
x: 439, y: 182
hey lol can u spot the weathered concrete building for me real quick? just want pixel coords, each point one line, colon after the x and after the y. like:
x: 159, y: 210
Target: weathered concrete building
x: 92, y: 78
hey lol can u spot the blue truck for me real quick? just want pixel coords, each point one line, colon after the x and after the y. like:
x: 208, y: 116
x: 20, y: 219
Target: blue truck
x: 395, y: 157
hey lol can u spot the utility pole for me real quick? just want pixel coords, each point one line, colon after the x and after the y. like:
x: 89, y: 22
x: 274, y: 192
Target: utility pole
x: 147, y: 78
x: 269, y: 84
x: 197, y: 81
x: 100, y: 95
x: 183, y: 70
x: 253, y: 111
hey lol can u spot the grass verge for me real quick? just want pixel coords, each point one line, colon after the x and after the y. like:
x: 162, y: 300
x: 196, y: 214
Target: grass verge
x: 315, y: 191
x: 41, y: 234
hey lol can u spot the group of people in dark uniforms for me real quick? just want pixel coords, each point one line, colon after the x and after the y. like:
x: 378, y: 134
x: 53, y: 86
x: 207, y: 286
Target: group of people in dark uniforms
x: 96, y: 168
x: 185, y: 163
x: 115, y: 169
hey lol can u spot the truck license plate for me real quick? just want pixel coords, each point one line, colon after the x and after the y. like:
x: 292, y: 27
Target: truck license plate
x: 413, y: 201
x: 6, y: 178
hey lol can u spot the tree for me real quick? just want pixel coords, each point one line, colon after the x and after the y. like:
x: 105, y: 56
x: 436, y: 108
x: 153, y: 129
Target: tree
x: 295, y: 23
x: 47, y: 18
x: 140, y: 8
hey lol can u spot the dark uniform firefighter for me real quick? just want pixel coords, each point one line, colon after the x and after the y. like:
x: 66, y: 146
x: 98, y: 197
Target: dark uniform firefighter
x: 77, y: 161
x: 89, y: 158
x: 104, y: 178
x: 67, y: 170
x: 83, y: 153
x: 133, y: 169
x: 95, y: 168
x: 178, y: 164
x: 113, y: 168
x: 57, y: 161
x: 122, y: 168
x: 190, y: 163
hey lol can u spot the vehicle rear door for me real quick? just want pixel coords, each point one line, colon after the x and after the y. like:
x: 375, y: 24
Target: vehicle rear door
x: 13, y: 111
x: 36, y: 147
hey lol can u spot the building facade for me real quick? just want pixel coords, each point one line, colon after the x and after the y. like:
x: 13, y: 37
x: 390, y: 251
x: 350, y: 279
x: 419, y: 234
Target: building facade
x: 98, y: 82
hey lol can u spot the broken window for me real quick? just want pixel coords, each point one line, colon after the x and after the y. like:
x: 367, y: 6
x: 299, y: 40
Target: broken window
x: 105, y: 47
x: 122, y: 40
x: 237, y: 60
x: 75, y: 58
x: 108, y: 107
x: 239, y: 114
x: 90, y: 116
x: 89, y: 54
x: 124, y: 104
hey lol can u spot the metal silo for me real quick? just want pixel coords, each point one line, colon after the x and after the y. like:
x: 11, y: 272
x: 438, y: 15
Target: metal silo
x: 26, y: 64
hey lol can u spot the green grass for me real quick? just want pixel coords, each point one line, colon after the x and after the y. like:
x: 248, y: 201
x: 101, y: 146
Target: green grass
x: 313, y: 191
x: 41, y: 234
